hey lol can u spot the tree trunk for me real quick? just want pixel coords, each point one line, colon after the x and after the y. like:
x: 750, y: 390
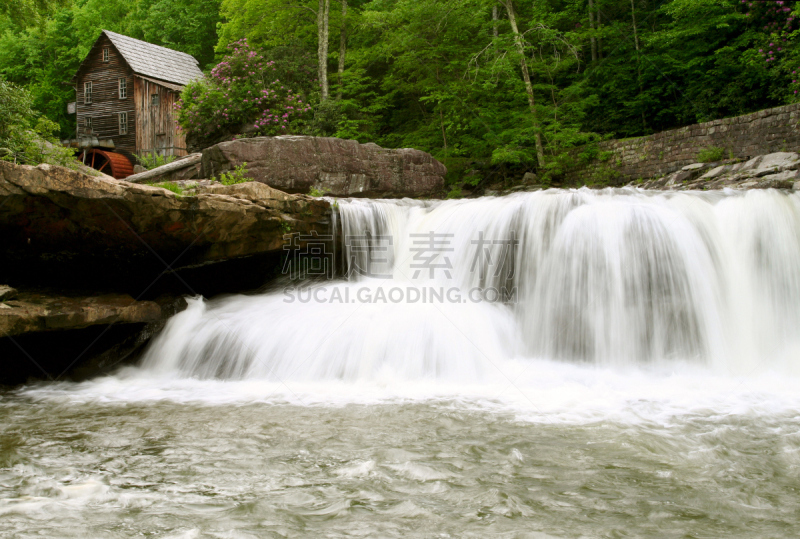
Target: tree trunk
x: 342, y: 48
x: 323, y: 17
x: 592, y: 39
x: 638, y: 56
x: 527, y: 78
x: 495, y: 18
x: 598, y: 22
x: 320, y: 28
x: 444, y: 133
x: 635, y: 30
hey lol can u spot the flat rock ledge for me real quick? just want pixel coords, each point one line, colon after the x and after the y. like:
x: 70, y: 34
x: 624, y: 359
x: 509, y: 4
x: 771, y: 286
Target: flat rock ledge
x: 779, y: 170
x: 47, y: 335
x: 36, y: 312
x: 60, y: 218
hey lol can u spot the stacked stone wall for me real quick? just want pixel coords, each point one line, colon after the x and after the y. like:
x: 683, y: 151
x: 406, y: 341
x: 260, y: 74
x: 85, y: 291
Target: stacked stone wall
x: 742, y: 137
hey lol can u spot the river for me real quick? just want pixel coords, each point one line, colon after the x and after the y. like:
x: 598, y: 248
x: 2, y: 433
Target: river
x: 555, y: 364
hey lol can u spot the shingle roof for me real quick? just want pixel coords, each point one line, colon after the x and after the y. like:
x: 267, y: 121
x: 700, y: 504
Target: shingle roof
x: 154, y: 61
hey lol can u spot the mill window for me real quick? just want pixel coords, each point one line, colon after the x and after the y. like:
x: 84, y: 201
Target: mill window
x: 123, y: 123
x: 87, y: 93
x: 87, y: 124
x: 154, y: 100
x: 105, y: 54
x: 123, y: 88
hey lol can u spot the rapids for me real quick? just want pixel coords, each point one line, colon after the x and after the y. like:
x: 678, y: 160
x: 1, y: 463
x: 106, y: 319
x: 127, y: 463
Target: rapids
x: 614, y: 363
x: 609, y: 278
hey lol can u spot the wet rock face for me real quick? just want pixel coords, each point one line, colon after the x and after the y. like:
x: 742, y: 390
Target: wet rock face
x: 337, y: 167
x: 46, y: 335
x: 779, y: 170
x: 92, y: 226
x: 7, y: 292
x: 114, y: 257
x: 36, y: 312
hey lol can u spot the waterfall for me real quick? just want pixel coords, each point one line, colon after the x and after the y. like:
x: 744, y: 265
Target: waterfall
x: 448, y: 289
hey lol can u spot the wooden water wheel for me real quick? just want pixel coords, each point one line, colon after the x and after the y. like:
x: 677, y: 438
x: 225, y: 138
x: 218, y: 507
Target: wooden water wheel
x: 113, y: 164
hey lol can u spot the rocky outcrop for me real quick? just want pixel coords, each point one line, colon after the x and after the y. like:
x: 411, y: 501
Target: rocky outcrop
x: 779, y: 170
x: 95, y: 243
x: 36, y: 312
x: 6, y: 292
x: 297, y: 164
x: 93, y: 227
x: 51, y: 336
x: 185, y: 168
x: 337, y: 167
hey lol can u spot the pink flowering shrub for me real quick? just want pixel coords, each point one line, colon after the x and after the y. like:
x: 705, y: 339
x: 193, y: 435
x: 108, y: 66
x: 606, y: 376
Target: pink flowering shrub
x: 778, y: 24
x: 776, y: 20
x: 242, y: 90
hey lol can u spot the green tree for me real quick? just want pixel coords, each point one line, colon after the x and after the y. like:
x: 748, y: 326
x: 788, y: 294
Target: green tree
x: 188, y: 26
x: 25, y: 136
x: 458, y: 78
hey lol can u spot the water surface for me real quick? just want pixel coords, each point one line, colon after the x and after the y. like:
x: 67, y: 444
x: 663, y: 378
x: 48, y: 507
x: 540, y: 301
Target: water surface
x: 230, y: 459
x: 642, y: 383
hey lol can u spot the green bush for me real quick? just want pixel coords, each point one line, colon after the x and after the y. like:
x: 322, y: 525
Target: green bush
x: 170, y: 186
x: 455, y: 192
x: 15, y: 110
x: 25, y: 137
x: 316, y: 193
x: 244, y: 88
x: 603, y: 175
x: 237, y: 175
x: 150, y: 161
x: 711, y: 154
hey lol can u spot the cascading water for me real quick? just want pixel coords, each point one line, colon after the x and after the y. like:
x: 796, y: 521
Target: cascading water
x: 611, y: 278
x: 553, y: 364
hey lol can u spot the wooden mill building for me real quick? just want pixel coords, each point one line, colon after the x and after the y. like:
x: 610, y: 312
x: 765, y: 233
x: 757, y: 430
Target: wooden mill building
x: 125, y: 92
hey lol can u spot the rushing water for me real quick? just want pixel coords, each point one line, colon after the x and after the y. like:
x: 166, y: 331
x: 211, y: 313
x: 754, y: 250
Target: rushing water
x: 555, y: 364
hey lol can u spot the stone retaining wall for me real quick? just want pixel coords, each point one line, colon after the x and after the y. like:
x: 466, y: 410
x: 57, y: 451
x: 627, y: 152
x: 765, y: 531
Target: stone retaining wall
x: 743, y: 137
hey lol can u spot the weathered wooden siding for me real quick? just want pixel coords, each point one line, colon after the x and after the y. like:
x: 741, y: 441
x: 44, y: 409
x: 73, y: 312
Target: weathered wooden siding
x: 155, y: 123
x: 106, y: 103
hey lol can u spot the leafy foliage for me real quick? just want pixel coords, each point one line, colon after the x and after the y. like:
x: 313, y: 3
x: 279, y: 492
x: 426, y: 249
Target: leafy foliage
x: 149, y: 161
x: 26, y: 137
x: 237, y: 175
x: 170, y: 186
x: 439, y: 75
x: 242, y: 89
x: 711, y: 154
x: 15, y: 110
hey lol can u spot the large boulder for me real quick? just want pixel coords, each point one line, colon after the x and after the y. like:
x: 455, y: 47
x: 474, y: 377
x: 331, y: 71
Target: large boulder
x: 93, y: 227
x: 337, y: 167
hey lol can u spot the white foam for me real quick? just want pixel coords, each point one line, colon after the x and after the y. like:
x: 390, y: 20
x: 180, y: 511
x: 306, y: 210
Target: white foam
x: 532, y: 390
x: 632, y: 306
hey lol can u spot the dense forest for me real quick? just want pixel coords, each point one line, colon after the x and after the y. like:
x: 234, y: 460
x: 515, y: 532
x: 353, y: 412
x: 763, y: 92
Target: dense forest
x: 501, y: 82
